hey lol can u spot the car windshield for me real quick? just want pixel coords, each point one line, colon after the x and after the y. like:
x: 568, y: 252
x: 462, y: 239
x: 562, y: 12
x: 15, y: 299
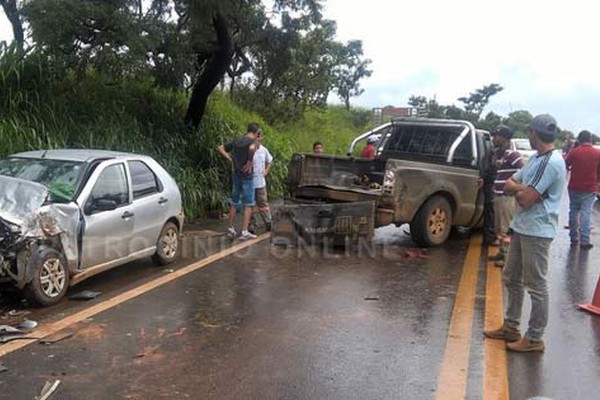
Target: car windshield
x: 59, y: 176
x: 522, y: 145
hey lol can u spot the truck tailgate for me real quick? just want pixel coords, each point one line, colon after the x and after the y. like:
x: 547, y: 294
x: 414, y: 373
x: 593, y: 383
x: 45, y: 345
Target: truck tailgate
x: 330, y: 224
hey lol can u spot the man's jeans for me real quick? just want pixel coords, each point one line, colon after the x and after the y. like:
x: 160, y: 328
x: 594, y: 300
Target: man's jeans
x: 527, y: 267
x: 580, y: 211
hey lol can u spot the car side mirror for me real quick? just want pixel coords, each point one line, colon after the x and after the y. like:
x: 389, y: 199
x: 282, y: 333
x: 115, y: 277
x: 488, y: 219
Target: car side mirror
x: 100, y: 205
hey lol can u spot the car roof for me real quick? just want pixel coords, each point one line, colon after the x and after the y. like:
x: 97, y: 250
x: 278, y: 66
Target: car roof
x: 83, y: 155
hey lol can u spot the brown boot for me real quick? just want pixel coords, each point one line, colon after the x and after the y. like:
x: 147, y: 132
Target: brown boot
x: 525, y: 346
x: 504, y: 333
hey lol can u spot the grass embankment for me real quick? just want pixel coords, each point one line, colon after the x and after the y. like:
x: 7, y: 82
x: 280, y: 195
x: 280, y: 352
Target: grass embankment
x: 43, y: 107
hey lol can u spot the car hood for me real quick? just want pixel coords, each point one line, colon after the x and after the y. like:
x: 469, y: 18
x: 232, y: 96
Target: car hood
x: 20, y: 199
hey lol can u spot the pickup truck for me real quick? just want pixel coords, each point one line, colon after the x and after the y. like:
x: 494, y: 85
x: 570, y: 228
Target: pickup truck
x: 426, y: 172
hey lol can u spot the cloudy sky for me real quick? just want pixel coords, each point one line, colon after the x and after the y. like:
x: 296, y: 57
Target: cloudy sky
x: 543, y: 53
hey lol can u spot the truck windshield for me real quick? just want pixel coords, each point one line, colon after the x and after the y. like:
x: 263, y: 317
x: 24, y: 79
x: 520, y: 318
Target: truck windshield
x: 59, y: 176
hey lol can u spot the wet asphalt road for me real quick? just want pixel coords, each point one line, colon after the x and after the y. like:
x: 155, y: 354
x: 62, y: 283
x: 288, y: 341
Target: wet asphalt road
x: 270, y: 323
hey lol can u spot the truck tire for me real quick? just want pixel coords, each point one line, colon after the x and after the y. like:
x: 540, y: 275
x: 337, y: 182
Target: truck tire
x: 432, y: 224
x: 50, y: 277
x: 167, y: 247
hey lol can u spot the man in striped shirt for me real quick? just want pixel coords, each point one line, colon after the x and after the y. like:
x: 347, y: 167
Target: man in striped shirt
x: 537, y: 189
x: 507, y: 162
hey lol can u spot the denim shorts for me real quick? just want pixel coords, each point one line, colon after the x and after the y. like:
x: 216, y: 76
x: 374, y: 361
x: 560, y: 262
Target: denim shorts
x: 243, y: 192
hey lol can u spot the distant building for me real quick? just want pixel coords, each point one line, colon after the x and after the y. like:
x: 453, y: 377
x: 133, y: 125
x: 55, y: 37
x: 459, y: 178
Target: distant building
x: 385, y: 114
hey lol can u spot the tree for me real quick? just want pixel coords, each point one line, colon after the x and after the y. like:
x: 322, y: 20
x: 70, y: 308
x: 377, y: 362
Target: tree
x: 349, y: 70
x: 13, y: 14
x: 478, y: 100
x: 417, y: 101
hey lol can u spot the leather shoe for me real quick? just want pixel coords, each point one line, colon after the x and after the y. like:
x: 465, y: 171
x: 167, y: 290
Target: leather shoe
x: 526, y: 346
x: 504, y: 333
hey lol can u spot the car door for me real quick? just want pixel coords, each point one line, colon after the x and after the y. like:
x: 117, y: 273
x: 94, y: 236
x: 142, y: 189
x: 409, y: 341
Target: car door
x: 150, y: 206
x: 108, y: 216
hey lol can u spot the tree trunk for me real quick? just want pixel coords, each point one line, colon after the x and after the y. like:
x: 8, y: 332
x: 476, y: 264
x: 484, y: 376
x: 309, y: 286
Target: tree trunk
x: 12, y: 13
x: 213, y: 71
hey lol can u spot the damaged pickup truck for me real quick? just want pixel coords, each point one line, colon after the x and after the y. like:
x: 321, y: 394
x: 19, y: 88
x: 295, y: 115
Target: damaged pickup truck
x: 66, y: 215
x: 425, y: 173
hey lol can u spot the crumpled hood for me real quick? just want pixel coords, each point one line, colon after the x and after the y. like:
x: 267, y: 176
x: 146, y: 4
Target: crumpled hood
x: 20, y: 199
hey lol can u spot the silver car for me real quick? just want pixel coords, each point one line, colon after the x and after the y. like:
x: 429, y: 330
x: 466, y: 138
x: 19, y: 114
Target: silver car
x: 66, y: 215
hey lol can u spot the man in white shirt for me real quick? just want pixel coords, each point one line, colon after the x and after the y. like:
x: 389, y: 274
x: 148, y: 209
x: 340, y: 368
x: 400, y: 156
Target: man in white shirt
x: 262, y: 167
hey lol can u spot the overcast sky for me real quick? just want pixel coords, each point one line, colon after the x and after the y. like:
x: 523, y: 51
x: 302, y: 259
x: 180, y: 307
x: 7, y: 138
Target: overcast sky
x: 543, y: 53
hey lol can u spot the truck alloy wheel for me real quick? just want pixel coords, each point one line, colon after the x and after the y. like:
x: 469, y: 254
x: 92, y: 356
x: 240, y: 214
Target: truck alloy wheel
x: 432, y: 223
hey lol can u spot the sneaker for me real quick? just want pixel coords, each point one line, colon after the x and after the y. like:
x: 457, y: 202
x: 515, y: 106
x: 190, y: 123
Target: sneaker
x: 247, y: 235
x: 496, y: 257
x: 504, y: 333
x: 526, y: 346
x: 586, y: 246
x: 231, y: 233
x: 499, y: 263
x: 495, y: 243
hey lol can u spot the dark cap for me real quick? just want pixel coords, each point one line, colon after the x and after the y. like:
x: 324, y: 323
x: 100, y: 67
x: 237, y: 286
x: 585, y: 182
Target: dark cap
x: 544, y: 124
x: 504, y: 131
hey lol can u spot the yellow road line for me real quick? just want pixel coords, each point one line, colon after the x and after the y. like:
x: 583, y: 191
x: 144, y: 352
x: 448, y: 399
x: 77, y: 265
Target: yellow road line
x: 452, y: 383
x: 51, y: 328
x: 495, y: 374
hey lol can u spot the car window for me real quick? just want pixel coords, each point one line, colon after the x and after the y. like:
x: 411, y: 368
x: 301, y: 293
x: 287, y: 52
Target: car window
x: 523, y: 145
x: 60, y: 177
x: 111, y: 185
x: 143, y: 180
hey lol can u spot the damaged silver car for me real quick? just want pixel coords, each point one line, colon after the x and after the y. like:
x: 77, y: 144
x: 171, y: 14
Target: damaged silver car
x: 66, y: 215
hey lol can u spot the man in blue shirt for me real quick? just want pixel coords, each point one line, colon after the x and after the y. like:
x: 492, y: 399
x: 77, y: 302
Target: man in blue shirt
x: 537, y: 188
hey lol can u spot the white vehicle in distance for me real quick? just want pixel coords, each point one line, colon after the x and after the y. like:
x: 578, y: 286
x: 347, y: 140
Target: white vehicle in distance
x: 524, y: 147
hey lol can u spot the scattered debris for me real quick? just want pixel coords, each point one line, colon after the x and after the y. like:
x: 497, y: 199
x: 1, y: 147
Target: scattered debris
x: 168, y: 270
x: 18, y: 313
x: 47, y: 390
x: 27, y: 325
x: 3, y: 368
x: 415, y: 253
x: 57, y: 337
x: 85, y: 295
x: 372, y: 298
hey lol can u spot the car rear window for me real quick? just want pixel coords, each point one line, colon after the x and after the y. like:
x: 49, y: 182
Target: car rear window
x: 143, y: 180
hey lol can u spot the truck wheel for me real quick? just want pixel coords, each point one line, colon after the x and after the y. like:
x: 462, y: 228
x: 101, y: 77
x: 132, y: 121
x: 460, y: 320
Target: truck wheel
x: 167, y: 247
x: 433, y: 222
x: 50, y: 277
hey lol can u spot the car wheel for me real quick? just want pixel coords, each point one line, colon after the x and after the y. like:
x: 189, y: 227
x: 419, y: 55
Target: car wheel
x: 50, y: 277
x: 167, y: 247
x: 432, y: 224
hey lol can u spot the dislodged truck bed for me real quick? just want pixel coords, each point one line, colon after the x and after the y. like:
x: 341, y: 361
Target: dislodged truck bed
x: 425, y: 173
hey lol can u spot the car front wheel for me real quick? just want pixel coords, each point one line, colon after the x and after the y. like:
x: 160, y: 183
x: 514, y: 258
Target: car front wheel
x: 50, y: 277
x: 167, y: 247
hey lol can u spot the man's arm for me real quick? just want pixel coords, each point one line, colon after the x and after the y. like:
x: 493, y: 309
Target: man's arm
x: 224, y: 153
x: 267, y: 169
x: 249, y: 165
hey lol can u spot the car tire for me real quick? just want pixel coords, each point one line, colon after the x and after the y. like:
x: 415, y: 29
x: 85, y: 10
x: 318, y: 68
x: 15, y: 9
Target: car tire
x: 432, y: 224
x: 167, y: 246
x: 50, y: 280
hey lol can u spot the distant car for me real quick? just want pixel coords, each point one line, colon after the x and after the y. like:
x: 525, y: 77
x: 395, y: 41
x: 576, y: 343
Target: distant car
x: 66, y: 215
x: 523, y: 146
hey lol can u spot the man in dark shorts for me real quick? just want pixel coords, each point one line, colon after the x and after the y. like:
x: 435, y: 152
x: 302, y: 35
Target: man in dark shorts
x: 240, y: 152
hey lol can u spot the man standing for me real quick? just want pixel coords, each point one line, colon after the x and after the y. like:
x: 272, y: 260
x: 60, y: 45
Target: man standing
x: 262, y: 166
x: 584, y: 161
x: 240, y: 152
x: 537, y: 189
x: 507, y: 162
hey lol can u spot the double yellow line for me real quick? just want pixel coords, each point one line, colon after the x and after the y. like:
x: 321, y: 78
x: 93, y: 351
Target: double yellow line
x: 454, y: 373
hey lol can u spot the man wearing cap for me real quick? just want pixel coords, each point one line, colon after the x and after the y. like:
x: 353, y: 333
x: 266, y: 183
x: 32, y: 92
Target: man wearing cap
x: 537, y: 189
x: 584, y: 162
x: 507, y: 163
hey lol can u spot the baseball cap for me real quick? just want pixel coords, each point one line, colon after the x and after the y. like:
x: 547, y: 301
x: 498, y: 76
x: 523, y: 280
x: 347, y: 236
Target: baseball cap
x: 504, y: 131
x: 372, y: 139
x: 544, y: 124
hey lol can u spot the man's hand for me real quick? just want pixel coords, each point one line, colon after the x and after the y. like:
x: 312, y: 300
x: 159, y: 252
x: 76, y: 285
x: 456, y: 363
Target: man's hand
x: 246, y: 168
x: 528, y: 197
x: 225, y: 154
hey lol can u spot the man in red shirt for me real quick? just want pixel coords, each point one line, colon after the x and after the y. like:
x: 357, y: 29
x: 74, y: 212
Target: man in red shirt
x: 369, y: 150
x: 584, y: 162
